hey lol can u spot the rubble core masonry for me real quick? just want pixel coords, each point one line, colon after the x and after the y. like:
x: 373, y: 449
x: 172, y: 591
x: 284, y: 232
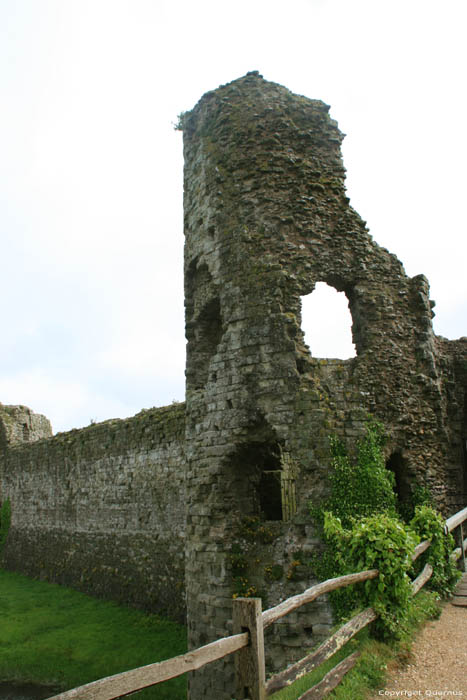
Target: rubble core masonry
x: 208, y: 498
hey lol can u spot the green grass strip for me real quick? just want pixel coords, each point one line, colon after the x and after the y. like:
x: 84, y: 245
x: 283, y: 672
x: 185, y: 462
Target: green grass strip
x: 53, y: 635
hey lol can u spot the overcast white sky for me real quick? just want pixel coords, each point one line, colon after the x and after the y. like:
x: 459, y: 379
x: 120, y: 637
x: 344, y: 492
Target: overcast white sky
x: 91, y: 170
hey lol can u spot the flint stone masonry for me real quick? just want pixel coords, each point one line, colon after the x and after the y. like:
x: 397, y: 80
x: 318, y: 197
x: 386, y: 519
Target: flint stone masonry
x: 266, y: 218
x: 19, y: 424
x: 227, y: 478
x: 102, y: 509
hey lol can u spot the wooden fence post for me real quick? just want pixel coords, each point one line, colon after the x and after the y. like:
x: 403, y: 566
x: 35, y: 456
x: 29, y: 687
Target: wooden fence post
x: 462, y: 547
x: 250, y: 674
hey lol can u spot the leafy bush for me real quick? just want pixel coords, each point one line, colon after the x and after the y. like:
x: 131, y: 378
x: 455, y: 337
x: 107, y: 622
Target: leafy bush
x: 359, y: 487
x: 420, y: 495
x: 377, y: 542
x: 429, y: 525
x: 362, y: 530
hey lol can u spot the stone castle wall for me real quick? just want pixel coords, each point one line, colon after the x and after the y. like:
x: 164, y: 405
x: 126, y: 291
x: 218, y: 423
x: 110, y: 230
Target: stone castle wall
x: 266, y: 218
x: 230, y: 475
x: 102, y: 509
x: 18, y: 424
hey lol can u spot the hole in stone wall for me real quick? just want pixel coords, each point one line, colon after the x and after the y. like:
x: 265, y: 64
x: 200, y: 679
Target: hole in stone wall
x: 327, y: 323
x: 257, y: 479
x: 203, y: 324
x: 207, y: 335
x: 260, y: 476
x: 269, y: 494
x: 397, y: 465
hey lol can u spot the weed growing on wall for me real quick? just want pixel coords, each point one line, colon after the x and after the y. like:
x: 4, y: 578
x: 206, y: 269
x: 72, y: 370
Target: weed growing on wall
x: 359, y: 487
x: 420, y: 495
x: 5, y: 520
x: 363, y: 530
x: 362, y: 486
x: 249, y: 559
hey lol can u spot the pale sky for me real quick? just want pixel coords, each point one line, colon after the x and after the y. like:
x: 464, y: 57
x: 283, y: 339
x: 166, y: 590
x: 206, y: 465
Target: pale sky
x: 91, y: 200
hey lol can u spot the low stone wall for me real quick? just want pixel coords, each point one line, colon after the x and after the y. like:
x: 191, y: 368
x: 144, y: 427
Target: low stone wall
x: 102, y: 509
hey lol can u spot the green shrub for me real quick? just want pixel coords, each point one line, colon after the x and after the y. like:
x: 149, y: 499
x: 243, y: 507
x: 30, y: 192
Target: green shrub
x: 420, y: 495
x: 362, y: 529
x: 429, y: 525
x: 378, y: 542
x: 359, y: 487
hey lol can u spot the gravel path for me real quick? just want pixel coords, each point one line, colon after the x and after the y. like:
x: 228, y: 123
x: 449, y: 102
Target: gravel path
x: 438, y: 667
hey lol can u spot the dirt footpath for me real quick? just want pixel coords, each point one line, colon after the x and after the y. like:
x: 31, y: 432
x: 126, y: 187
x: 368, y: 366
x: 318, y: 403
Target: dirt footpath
x: 438, y: 667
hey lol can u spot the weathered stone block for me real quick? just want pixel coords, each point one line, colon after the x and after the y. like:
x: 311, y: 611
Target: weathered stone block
x: 113, y: 508
x: 264, y: 185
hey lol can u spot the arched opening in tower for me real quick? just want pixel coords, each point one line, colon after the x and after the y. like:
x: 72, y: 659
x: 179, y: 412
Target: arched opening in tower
x: 397, y: 465
x: 262, y: 482
x: 327, y: 323
x: 203, y: 324
x: 261, y: 461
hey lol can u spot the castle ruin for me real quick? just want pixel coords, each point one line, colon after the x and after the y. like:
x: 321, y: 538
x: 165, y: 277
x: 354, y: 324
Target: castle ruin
x: 175, y: 501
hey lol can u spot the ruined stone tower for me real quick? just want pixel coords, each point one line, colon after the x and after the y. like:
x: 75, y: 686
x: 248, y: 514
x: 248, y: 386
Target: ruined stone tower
x: 18, y: 424
x: 266, y: 218
x: 103, y: 508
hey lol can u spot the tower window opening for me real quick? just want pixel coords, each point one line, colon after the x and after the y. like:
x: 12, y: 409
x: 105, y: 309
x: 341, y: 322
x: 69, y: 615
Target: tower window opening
x: 327, y: 323
x: 269, y: 494
x: 265, y: 486
x: 203, y: 323
x: 397, y: 465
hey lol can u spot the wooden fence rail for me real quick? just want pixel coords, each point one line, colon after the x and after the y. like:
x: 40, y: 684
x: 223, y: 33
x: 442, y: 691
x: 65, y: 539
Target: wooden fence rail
x: 249, y: 623
x: 322, y: 654
x: 420, y: 548
x: 332, y: 584
x: 457, y: 520
x: 130, y: 681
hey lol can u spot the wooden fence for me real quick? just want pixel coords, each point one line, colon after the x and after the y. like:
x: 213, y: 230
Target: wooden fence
x: 249, y: 623
x: 451, y: 524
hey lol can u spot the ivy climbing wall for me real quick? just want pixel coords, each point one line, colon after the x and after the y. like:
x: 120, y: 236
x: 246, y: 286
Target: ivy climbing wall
x: 266, y: 218
x: 213, y: 495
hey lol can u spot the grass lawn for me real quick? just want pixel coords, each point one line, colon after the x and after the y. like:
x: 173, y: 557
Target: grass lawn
x: 56, y: 636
